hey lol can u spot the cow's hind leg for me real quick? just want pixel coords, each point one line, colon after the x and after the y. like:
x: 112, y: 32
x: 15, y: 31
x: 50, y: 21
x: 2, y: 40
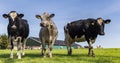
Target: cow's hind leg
x: 69, y: 49
x: 68, y: 46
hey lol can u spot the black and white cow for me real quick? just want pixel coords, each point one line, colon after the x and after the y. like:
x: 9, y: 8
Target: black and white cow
x: 18, y: 31
x: 84, y: 30
x: 48, y: 32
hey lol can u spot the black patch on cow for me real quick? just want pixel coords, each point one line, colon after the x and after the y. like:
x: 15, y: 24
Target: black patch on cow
x: 88, y: 27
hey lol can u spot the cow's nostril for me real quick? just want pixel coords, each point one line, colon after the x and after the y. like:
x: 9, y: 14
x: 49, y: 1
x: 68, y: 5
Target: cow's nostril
x: 42, y: 24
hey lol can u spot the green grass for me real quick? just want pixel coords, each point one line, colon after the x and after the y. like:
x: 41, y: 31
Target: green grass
x: 110, y: 55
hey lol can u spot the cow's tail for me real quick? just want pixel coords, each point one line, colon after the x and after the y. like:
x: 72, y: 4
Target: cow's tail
x: 65, y: 29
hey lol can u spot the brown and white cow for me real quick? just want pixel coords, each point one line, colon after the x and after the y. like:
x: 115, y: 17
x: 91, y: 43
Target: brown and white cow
x: 48, y: 33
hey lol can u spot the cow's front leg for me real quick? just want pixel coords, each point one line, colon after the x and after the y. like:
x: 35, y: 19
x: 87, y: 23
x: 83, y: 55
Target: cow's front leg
x: 19, y: 47
x: 91, y: 50
x: 12, y: 46
x: 43, y: 49
x: 50, y: 48
x: 23, y: 47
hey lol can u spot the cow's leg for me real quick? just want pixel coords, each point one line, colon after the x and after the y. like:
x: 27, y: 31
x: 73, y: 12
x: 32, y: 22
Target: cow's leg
x: 23, y: 46
x: 91, y: 50
x: 69, y: 50
x: 68, y: 47
x: 43, y: 49
x: 12, y: 46
x: 50, y: 47
x: 19, y: 46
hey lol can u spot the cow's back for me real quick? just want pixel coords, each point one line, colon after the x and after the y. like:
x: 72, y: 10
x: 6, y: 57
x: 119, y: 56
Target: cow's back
x: 76, y: 28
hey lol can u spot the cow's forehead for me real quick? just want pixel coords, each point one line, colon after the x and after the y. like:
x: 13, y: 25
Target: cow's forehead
x: 100, y: 21
x: 12, y: 13
x: 45, y: 14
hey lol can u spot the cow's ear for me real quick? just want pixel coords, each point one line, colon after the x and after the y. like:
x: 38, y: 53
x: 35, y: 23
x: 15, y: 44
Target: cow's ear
x: 52, y: 15
x: 38, y: 16
x: 5, y: 15
x: 20, y: 15
x: 107, y: 21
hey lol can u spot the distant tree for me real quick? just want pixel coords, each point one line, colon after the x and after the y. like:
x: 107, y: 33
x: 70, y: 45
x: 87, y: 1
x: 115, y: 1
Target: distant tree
x: 3, y: 41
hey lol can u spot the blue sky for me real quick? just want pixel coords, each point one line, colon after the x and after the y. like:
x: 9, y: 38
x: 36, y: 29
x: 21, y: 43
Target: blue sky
x: 66, y: 11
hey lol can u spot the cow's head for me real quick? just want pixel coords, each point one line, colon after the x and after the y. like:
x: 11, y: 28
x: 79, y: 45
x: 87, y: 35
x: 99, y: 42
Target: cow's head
x: 101, y: 24
x: 13, y: 17
x: 45, y: 19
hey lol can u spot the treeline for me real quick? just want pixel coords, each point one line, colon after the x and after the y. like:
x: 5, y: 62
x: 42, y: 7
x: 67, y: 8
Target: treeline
x: 3, y: 41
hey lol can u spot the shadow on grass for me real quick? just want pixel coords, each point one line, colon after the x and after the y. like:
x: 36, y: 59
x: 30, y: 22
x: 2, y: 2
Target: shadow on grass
x: 90, y: 59
x: 33, y: 55
x: 75, y: 57
x: 6, y: 58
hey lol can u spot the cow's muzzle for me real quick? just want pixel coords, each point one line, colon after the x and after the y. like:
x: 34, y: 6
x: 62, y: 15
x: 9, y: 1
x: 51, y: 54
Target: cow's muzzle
x: 14, y: 27
x: 42, y: 24
x: 101, y: 33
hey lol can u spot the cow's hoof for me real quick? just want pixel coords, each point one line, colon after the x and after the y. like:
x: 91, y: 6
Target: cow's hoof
x: 44, y: 56
x: 19, y: 57
x: 88, y: 55
x: 69, y: 53
x: 50, y: 56
x: 23, y: 54
x: 11, y: 57
x: 93, y: 56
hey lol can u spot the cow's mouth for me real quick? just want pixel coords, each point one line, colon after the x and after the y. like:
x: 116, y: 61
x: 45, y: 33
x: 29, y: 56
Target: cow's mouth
x: 42, y: 25
x: 101, y: 33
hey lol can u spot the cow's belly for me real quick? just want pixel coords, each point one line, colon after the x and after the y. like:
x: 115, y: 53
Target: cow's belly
x: 81, y: 39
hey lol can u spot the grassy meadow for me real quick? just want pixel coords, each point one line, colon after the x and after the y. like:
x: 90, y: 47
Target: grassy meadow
x: 106, y: 55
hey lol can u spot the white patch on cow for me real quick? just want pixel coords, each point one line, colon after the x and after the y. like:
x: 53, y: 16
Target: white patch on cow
x: 100, y: 21
x: 13, y: 15
x: 92, y: 41
x: 50, y: 38
x: 81, y: 39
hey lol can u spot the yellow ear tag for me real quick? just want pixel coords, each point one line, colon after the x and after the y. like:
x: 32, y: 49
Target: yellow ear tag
x: 38, y: 17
